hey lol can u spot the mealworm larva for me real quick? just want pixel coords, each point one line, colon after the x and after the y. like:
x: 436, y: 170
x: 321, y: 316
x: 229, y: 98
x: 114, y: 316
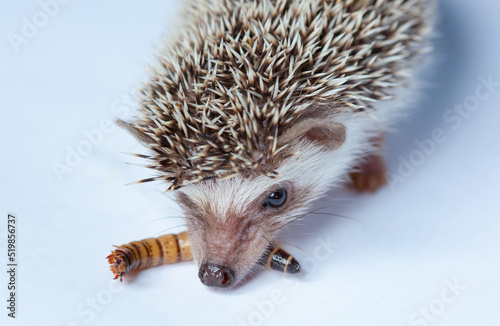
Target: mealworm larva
x: 282, y: 261
x: 172, y: 248
x: 151, y: 252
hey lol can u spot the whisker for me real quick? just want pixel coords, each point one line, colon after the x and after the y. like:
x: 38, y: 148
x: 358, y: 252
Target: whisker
x: 269, y: 242
x: 264, y: 256
x: 291, y: 245
x: 173, y: 227
x: 293, y: 219
x: 338, y: 215
x: 296, y: 234
x: 163, y: 218
x: 315, y: 212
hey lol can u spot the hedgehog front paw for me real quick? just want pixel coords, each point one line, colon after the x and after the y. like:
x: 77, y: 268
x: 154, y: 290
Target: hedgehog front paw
x: 370, y: 175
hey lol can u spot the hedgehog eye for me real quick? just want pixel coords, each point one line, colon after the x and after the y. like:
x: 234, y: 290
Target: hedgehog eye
x: 276, y: 199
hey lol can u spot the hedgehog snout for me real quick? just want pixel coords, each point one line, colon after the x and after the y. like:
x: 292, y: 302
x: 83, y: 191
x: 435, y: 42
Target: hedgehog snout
x: 216, y: 275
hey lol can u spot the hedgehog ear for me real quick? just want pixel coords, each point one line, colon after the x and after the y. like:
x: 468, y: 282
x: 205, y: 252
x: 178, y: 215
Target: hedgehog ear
x: 329, y: 134
x: 134, y: 131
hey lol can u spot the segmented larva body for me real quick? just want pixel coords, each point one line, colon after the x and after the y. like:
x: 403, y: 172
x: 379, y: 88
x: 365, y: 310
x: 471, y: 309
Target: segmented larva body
x: 173, y: 248
x: 151, y: 252
x: 282, y: 261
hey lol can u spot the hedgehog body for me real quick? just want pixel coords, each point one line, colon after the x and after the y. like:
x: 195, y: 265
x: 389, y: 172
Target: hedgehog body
x: 240, y: 73
x: 252, y: 97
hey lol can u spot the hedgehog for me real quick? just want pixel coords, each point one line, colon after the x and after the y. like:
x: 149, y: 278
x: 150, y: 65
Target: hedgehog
x: 254, y: 109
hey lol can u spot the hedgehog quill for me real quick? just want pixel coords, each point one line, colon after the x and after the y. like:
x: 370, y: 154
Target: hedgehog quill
x: 256, y: 108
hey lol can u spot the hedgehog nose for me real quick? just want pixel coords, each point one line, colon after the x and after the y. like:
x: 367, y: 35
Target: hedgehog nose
x: 216, y: 275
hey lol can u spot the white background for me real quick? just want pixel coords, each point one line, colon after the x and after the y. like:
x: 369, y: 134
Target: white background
x: 394, y: 265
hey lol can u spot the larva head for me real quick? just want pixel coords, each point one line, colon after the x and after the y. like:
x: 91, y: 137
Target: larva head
x: 231, y: 222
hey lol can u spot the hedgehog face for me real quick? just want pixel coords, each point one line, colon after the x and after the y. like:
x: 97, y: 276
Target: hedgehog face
x: 231, y: 223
